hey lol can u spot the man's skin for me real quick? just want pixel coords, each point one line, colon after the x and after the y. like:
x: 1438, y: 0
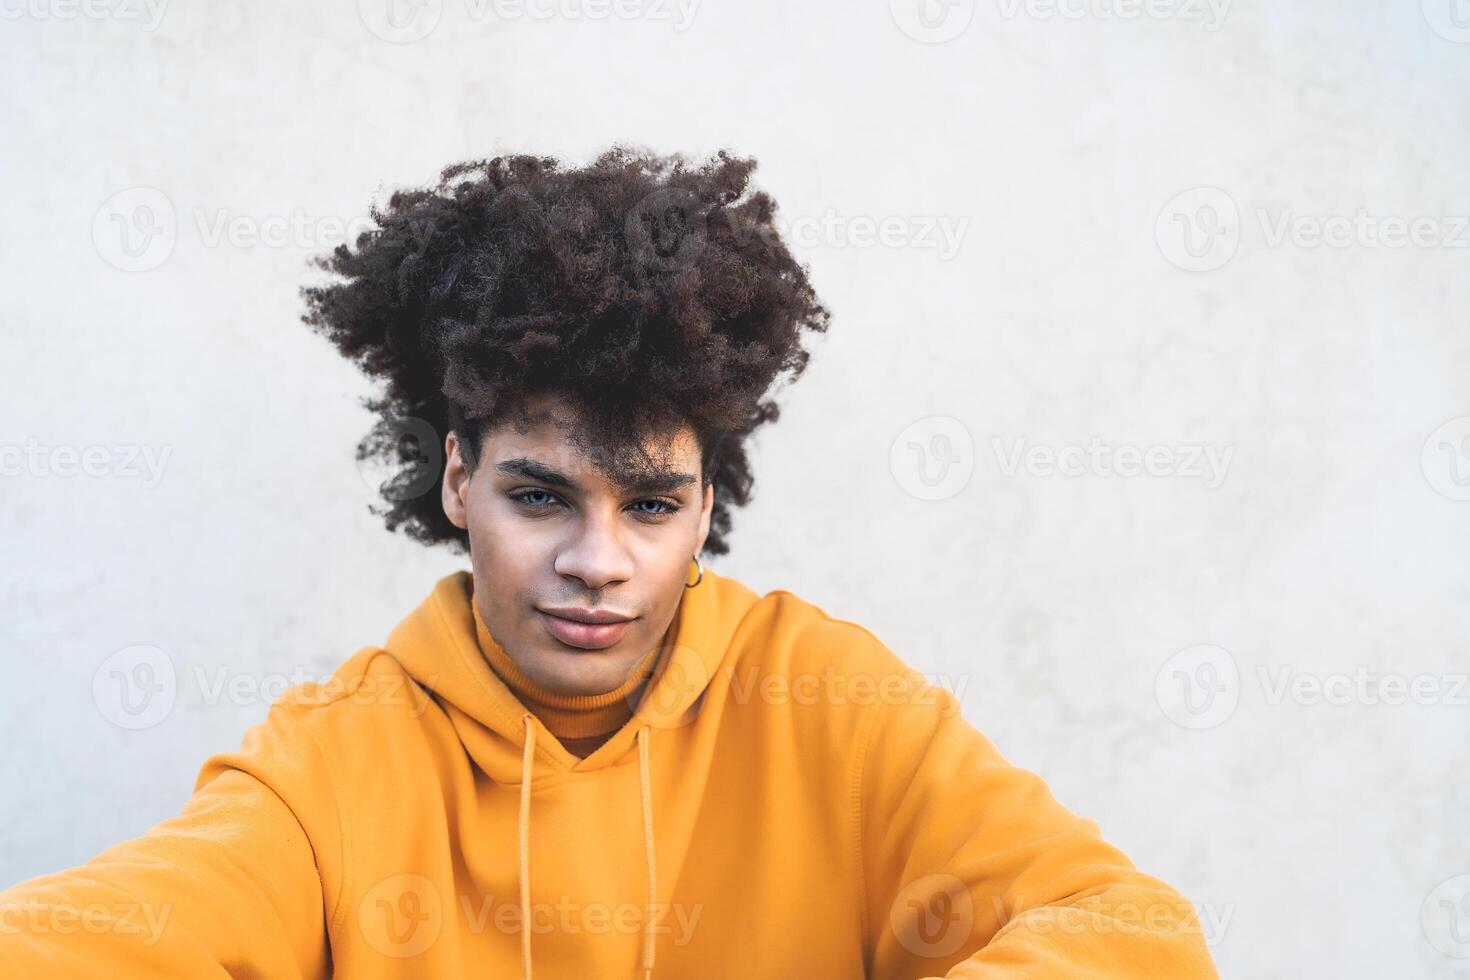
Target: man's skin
x: 591, y: 544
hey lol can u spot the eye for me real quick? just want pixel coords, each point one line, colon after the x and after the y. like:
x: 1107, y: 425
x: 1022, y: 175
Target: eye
x: 525, y: 497
x: 669, y: 507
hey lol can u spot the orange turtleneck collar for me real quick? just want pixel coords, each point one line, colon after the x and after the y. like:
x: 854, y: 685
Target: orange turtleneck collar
x: 580, y: 722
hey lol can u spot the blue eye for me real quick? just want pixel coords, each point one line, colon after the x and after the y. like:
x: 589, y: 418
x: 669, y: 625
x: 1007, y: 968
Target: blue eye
x: 524, y: 494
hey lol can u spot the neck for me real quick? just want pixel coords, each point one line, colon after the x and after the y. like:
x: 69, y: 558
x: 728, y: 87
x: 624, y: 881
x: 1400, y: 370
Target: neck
x: 578, y: 721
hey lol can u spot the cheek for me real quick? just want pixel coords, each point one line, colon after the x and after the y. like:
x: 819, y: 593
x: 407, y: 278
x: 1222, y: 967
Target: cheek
x: 674, y: 571
x: 492, y: 523
x: 503, y: 552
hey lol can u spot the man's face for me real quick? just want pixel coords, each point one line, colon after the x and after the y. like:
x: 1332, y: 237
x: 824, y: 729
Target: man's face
x: 548, y: 531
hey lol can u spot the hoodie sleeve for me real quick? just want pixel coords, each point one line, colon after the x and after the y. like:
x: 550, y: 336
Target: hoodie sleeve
x: 973, y: 869
x: 228, y: 888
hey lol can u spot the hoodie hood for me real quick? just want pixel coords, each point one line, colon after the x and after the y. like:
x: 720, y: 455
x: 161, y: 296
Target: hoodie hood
x: 439, y: 647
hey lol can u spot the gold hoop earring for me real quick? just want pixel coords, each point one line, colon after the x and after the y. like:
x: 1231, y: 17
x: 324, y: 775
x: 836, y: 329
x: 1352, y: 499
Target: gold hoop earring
x: 700, y: 565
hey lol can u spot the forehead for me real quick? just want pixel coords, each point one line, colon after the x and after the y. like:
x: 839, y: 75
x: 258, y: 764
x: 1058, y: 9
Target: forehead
x: 546, y: 443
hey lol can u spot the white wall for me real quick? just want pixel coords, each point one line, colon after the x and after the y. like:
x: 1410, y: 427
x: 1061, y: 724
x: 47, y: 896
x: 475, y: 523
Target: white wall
x: 1314, y: 834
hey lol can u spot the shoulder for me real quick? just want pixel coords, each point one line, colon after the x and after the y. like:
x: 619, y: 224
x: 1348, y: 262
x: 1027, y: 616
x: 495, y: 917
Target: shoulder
x: 369, y: 698
x: 806, y: 634
x: 843, y: 664
x: 371, y: 690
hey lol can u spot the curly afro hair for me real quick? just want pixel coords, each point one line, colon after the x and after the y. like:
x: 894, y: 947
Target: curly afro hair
x: 646, y: 293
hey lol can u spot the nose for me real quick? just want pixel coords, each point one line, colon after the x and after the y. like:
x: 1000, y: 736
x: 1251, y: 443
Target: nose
x: 597, y: 556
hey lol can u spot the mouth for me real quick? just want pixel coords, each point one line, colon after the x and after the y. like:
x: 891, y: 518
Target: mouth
x: 586, y: 629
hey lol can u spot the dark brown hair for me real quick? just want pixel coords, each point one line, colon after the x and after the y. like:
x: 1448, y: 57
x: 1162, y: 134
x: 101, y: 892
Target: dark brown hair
x: 648, y: 293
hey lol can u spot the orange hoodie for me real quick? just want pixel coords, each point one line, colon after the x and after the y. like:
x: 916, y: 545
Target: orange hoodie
x: 790, y: 800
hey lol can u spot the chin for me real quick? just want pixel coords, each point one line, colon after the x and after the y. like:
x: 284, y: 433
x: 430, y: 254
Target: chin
x: 581, y: 672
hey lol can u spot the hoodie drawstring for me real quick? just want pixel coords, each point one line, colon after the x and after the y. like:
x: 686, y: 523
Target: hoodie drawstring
x: 525, y: 828
x: 643, y: 770
x: 525, y: 846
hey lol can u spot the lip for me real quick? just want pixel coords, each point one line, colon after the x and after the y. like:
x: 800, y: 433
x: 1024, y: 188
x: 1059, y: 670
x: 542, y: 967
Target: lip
x: 584, y: 628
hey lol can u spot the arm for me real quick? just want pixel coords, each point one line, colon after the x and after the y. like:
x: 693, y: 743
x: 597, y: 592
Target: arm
x: 973, y: 869
x: 228, y: 888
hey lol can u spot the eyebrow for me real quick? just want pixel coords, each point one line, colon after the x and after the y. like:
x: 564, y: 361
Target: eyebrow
x: 657, y: 481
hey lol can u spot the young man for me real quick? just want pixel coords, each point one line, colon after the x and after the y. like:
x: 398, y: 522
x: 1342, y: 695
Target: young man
x: 590, y: 755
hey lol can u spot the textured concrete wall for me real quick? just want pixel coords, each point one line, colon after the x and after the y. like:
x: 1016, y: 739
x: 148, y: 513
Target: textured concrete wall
x: 1144, y: 419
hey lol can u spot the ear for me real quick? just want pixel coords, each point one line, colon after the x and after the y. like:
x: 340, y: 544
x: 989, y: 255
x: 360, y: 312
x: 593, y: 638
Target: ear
x: 456, y: 484
x: 704, y: 516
